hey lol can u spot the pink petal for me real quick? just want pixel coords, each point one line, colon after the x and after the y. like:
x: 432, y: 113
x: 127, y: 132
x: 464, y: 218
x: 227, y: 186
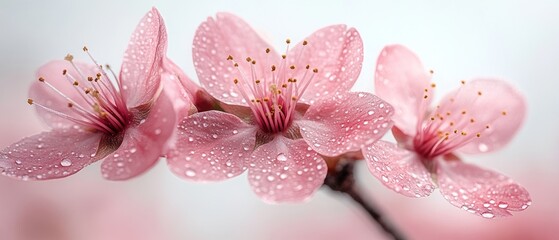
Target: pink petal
x: 44, y: 95
x: 345, y: 123
x: 142, y: 144
x: 214, y: 41
x: 140, y: 72
x: 401, y: 80
x: 398, y: 169
x: 496, y: 108
x: 337, y: 52
x: 48, y: 155
x: 482, y: 192
x: 211, y: 146
x: 286, y: 170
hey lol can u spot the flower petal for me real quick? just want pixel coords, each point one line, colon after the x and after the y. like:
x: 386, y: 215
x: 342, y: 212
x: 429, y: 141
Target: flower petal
x: 482, y: 192
x: 46, y: 96
x: 490, y: 107
x: 211, y: 146
x: 337, y: 53
x: 140, y: 72
x: 215, y: 40
x: 285, y: 170
x: 398, y: 169
x: 345, y: 122
x: 48, y: 155
x: 142, y: 144
x: 401, y: 80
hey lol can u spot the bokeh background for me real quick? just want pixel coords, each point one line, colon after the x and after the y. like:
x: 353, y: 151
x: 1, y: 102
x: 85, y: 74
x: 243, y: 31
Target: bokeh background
x: 514, y: 40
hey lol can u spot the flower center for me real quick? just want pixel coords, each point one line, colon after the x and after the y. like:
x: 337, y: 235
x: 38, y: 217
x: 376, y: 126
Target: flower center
x: 98, y: 104
x: 273, y: 96
x: 448, y: 128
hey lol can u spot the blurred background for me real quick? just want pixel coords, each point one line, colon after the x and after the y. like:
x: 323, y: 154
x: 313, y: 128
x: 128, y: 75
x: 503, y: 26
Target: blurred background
x: 514, y: 40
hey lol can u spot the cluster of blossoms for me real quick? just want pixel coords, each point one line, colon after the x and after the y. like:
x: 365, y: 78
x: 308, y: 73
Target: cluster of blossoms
x: 285, y: 118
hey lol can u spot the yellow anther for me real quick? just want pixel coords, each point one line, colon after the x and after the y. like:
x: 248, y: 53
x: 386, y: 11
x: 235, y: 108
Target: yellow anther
x: 267, y: 50
x: 479, y: 93
x: 478, y: 135
x: 472, y: 120
x: 305, y: 43
x: 85, y: 49
x: 425, y: 96
x: 235, y: 81
x: 273, y: 68
x: 249, y: 59
x: 315, y: 70
x: 41, y: 79
x: 463, y: 133
x: 463, y: 112
x: 283, y: 56
x: 69, y: 57
x: 236, y: 65
x: 294, y: 98
x: 463, y: 82
x: 64, y: 72
x: 504, y: 113
x: 451, y: 123
x: 292, y: 67
x: 90, y: 79
x: 455, y: 131
x: 448, y: 113
x: 284, y: 85
x: 486, y: 126
x: 30, y: 101
x: 70, y: 104
x: 431, y: 71
x: 288, y: 41
x: 432, y: 118
x: 76, y: 83
x: 229, y: 57
x: 308, y: 66
x: 426, y: 90
x: 253, y: 62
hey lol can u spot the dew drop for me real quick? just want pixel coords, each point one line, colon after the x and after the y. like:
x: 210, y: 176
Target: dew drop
x: 281, y: 157
x: 133, y: 150
x: 283, y: 176
x: 270, y: 178
x: 157, y: 131
x: 66, y: 162
x: 190, y: 173
x: 487, y: 215
x: 18, y: 162
x: 384, y: 178
x: 503, y: 205
x: 483, y: 147
x: 214, y: 136
x: 190, y: 139
x: 371, y: 112
x: 235, y: 131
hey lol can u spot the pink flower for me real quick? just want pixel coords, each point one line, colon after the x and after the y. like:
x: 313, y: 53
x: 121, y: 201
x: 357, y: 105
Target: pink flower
x: 479, y: 117
x: 125, y: 120
x: 283, y: 112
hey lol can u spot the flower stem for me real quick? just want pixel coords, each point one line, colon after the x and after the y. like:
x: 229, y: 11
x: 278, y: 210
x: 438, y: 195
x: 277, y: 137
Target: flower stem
x: 341, y: 179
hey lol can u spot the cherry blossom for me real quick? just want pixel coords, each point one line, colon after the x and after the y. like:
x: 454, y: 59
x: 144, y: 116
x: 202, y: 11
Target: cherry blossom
x: 96, y: 115
x: 481, y: 116
x: 282, y: 113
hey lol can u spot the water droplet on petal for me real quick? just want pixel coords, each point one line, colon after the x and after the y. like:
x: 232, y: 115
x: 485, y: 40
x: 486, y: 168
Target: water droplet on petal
x: 270, y: 178
x: 157, y: 131
x: 133, y: 150
x: 66, y: 162
x: 214, y: 135
x: 503, y: 205
x: 371, y: 112
x: 483, y: 147
x: 281, y: 157
x: 384, y: 178
x: 487, y: 215
x: 18, y: 162
x: 190, y: 173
